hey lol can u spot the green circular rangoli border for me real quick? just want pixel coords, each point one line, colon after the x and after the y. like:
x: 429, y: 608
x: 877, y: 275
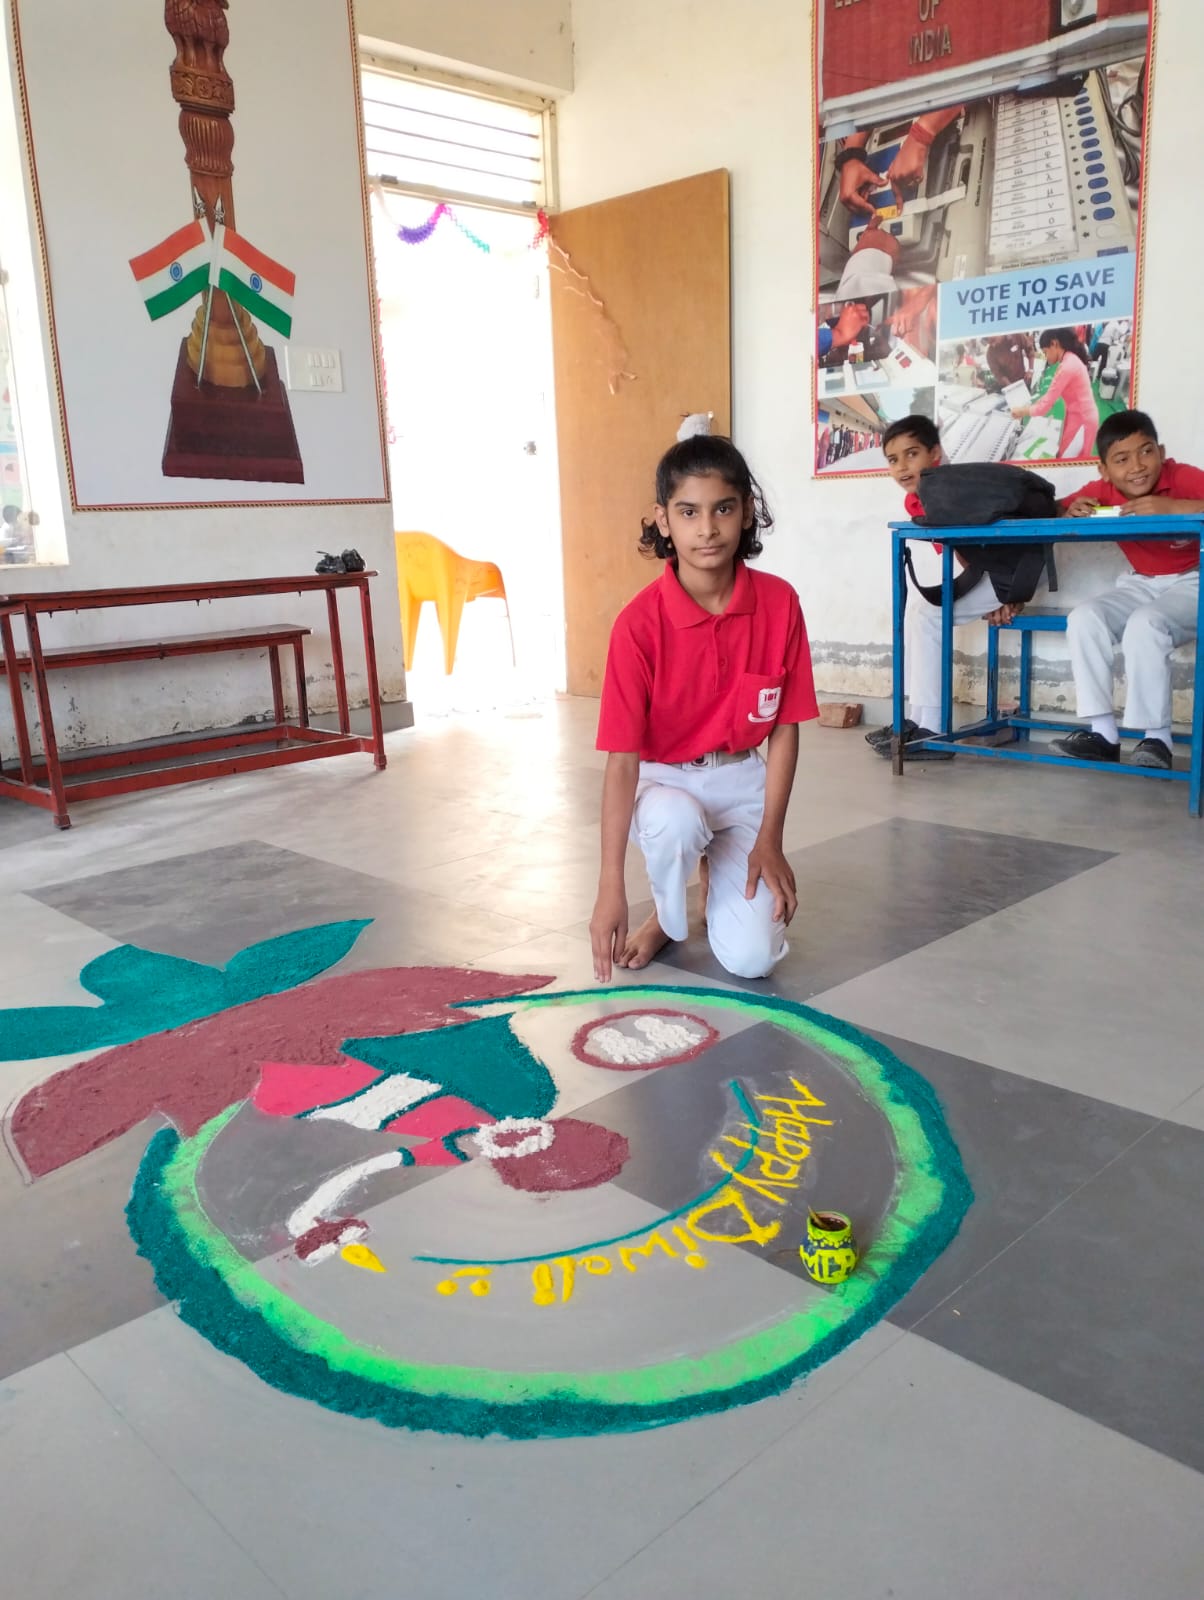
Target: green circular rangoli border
x: 226, y: 1299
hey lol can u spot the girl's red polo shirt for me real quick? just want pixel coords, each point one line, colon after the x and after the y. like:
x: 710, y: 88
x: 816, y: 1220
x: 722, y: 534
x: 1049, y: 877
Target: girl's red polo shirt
x: 681, y: 682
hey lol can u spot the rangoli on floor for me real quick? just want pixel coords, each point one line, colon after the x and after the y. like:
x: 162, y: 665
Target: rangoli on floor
x: 455, y: 1200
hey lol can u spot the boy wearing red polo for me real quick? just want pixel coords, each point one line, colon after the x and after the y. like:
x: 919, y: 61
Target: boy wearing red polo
x: 704, y: 666
x: 1152, y: 607
x: 912, y: 445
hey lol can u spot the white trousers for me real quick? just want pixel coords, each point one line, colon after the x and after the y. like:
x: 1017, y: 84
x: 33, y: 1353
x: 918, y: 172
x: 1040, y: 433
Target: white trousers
x: 1148, y: 617
x: 682, y: 813
x: 922, y: 652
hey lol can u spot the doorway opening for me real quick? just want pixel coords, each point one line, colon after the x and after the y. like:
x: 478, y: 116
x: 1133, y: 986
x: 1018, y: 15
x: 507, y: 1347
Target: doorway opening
x: 457, y: 189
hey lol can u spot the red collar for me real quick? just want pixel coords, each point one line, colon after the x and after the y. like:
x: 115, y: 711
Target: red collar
x: 684, y: 612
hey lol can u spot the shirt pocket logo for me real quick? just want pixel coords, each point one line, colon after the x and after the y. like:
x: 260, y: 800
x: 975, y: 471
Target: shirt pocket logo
x: 768, y: 702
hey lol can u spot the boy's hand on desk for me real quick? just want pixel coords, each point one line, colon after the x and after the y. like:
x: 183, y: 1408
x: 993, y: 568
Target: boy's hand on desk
x: 767, y: 863
x: 1003, y: 614
x: 1160, y: 505
x: 1082, y: 507
x: 608, y: 931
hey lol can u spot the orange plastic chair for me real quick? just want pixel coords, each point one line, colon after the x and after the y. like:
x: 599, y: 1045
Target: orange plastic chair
x: 427, y: 569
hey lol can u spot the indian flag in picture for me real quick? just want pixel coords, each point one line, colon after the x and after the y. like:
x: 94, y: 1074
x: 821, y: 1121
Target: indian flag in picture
x: 174, y: 271
x: 257, y: 282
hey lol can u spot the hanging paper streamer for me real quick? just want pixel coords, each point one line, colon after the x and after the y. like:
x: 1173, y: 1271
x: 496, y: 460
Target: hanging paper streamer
x: 426, y: 230
x: 616, y: 356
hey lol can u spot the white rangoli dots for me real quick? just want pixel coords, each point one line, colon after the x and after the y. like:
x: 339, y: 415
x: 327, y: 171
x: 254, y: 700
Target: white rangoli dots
x: 495, y: 1144
x: 644, y: 1039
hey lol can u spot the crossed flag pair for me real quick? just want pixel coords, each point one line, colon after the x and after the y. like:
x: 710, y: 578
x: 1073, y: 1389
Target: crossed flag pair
x: 192, y: 260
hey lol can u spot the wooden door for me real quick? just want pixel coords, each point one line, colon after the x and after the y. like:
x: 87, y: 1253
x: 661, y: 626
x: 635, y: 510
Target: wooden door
x: 659, y: 263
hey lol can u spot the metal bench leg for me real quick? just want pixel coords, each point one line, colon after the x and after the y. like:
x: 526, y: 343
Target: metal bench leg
x: 1195, y: 785
x: 947, y: 641
x: 336, y: 660
x: 992, y: 674
x: 1026, y: 679
x: 17, y: 694
x: 277, y: 686
x: 898, y: 602
x: 378, y: 727
x: 302, y: 693
x: 54, y: 772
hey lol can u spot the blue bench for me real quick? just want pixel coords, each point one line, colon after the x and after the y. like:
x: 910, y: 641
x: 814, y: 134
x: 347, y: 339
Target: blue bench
x: 1032, y: 620
x: 1036, y: 619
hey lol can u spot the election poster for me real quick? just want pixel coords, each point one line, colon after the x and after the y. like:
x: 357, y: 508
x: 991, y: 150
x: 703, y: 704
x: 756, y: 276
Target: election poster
x: 979, y: 187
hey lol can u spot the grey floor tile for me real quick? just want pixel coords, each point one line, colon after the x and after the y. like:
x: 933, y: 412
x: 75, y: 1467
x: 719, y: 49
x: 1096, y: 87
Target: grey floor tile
x: 1191, y: 1112
x: 871, y: 896
x: 70, y: 1267
x: 1026, y: 1147
x: 1092, y: 985
x: 19, y: 823
x: 331, y: 1505
x: 1100, y: 1306
x: 211, y: 903
x: 90, y: 1512
x: 930, y: 1479
x: 1065, y: 806
x: 569, y: 958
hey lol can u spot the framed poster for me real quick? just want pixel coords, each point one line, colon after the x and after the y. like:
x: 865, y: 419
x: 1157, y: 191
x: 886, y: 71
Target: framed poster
x: 198, y: 182
x: 979, y: 184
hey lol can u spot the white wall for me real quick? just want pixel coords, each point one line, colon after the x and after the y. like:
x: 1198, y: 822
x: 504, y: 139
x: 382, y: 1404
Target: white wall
x: 527, y: 41
x: 668, y: 89
x: 175, y: 546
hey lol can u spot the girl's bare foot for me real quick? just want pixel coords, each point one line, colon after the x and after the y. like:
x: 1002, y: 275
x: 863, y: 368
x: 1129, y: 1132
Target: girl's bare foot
x: 644, y: 945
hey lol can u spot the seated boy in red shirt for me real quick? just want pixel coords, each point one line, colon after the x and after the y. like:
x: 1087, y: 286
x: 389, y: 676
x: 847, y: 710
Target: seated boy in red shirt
x: 910, y: 446
x: 1151, y: 609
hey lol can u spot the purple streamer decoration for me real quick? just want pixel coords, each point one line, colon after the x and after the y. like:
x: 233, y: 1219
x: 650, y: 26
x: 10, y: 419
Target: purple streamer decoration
x: 422, y: 233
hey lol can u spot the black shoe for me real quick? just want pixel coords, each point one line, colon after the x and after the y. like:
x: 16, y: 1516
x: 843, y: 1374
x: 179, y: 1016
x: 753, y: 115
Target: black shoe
x: 913, y: 748
x: 1152, y: 753
x: 1086, y: 745
x: 883, y: 736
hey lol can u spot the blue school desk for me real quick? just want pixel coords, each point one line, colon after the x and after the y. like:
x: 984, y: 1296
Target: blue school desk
x: 1069, y: 530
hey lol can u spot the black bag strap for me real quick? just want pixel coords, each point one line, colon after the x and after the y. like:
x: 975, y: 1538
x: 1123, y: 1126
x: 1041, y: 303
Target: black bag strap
x: 1023, y: 580
x: 1051, y: 570
x: 963, y: 582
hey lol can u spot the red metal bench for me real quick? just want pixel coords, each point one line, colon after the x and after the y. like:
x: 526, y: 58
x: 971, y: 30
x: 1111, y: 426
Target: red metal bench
x: 47, y: 780
x: 272, y: 639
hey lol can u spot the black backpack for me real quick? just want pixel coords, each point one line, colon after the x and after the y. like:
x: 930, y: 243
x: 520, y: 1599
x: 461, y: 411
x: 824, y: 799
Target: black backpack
x: 973, y: 495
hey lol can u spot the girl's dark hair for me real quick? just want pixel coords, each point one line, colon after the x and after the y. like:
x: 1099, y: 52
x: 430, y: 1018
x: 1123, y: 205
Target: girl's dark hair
x: 1068, y: 339
x: 707, y: 455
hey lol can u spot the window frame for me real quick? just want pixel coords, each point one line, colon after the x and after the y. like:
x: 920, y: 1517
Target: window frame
x: 499, y: 94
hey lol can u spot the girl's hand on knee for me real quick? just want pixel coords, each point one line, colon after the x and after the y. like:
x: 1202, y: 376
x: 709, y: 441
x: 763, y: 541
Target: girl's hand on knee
x: 608, y: 932
x: 767, y: 863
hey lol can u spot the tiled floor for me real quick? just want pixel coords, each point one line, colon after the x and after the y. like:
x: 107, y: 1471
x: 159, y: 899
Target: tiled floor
x: 1028, y: 1422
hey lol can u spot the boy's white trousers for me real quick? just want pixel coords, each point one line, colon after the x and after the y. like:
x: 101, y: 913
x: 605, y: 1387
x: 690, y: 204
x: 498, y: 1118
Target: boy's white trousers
x: 922, y: 652
x: 1147, y: 617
